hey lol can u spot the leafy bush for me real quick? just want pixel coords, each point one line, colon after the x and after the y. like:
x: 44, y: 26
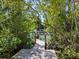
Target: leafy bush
x: 66, y: 48
x: 68, y: 54
x: 7, y: 44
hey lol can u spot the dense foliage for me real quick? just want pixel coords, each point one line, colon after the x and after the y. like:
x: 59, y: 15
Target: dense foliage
x: 16, y: 21
x: 20, y: 17
x: 64, y: 26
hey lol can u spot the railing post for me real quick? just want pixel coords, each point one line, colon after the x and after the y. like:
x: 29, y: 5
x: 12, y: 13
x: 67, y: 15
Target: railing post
x: 45, y: 41
x: 35, y: 37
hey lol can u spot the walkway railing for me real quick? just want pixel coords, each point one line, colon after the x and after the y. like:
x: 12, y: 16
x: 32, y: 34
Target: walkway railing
x: 44, y: 36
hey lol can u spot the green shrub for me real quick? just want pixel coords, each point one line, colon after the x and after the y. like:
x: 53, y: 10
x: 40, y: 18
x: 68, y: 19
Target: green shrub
x: 70, y: 54
x: 7, y: 44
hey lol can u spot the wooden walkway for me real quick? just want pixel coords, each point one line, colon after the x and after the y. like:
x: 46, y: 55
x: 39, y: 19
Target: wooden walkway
x: 37, y: 52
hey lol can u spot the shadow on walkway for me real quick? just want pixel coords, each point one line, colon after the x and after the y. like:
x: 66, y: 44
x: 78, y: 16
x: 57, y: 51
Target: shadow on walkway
x: 37, y: 52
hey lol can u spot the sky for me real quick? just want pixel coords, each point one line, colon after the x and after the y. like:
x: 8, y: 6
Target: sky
x: 66, y: 6
x: 34, y: 7
x: 41, y: 13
